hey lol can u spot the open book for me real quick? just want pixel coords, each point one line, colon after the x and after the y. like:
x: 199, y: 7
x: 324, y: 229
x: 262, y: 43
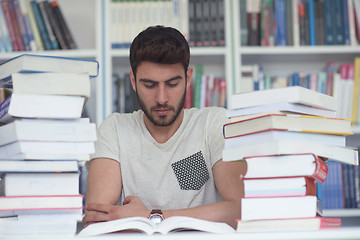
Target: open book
x: 142, y: 224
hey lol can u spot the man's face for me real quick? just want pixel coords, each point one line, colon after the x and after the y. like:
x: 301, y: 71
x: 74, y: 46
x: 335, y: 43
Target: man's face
x: 160, y: 89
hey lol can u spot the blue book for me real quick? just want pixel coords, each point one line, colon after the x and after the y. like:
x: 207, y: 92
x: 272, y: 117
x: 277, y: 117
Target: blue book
x: 280, y: 18
x: 295, y: 79
x: 4, y: 35
x: 339, y: 22
x: 312, y: 27
x: 41, y: 24
x: 44, y: 63
x: 346, y: 25
x: 329, y: 23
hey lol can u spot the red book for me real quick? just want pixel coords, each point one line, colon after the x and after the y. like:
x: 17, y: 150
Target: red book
x: 10, y: 25
x: 290, y: 165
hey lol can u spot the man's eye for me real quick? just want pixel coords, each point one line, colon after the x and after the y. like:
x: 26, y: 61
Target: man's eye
x: 149, y: 85
x: 173, y: 84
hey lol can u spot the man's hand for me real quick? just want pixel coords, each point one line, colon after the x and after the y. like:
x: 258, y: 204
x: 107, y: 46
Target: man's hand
x: 97, y: 212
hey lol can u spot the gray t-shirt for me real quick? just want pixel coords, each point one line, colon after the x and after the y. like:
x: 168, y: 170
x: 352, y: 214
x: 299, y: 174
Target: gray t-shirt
x: 173, y: 175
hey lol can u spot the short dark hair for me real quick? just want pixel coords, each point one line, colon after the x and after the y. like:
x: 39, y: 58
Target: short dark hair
x: 159, y: 44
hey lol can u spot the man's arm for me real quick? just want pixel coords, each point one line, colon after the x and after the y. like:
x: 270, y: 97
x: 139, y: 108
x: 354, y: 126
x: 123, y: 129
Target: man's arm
x: 104, y: 186
x: 228, y: 183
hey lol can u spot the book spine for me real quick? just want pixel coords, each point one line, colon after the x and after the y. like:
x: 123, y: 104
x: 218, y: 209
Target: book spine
x: 288, y: 22
x: 4, y: 31
x: 328, y: 16
x: 15, y: 24
x: 312, y: 27
x: 4, y: 107
x: 346, y: 24
x: 34, y: 27
x: 53, y: 41
x: 58, y: 13
x: 321, y: 170
x: 40, y: 23
x: 280, y: 16
x: 21, y: 25
x: 339, y: 24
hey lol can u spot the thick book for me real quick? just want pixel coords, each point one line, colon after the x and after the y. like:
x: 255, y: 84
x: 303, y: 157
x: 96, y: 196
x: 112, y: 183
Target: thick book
x: 48, y: 156
x: 289, y: 224
x: 293, y: 94
x: 288, y: 122
x: 41, y: 202
x: 45, y: 63
x: 50, y: 83
x: 37, y: 147
x: 278, y: 207
x: 141, y: 224
x: 79, y: 130
x: 41, y: 106
x: 283, y: 135
x: 281, y: 107
x: 293, y: 165
x: 346, y: 155
x: 279, y: 187
x: 28, y: 166
x: 38, y: 184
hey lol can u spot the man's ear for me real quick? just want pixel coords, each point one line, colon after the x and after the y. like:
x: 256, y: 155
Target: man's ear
x: 189, y: 74
x: 132, y: 79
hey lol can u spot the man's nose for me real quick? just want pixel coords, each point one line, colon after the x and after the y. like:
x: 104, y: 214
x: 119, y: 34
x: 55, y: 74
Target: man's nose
x: 161, y: 94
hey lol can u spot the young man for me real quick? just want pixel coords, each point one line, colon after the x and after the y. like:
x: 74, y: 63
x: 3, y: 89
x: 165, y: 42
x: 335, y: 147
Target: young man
x: 162, y: 157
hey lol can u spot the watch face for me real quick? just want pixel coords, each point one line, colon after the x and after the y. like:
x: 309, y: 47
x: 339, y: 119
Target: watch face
x: 156, y: 218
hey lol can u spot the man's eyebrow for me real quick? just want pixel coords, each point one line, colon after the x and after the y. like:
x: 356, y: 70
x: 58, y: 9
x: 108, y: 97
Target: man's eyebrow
x: 153, y: 81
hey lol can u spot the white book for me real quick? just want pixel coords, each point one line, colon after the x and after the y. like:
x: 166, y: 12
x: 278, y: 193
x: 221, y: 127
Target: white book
x: 278, y: 207
x: 79, y: 130
x: 46, y: 63
x: 38, y: 166
x: 41, y: 202
x: 294, y: 94
x: 22, y: 213
x: 280, y: 106
x: 41, y: 106
x: 35, y: 184
x: 145, y: 225
x: 37, y: 147
x: 341, y: 154
x: 274, y: 135
x: 48, y: 156
x: 75, y: 84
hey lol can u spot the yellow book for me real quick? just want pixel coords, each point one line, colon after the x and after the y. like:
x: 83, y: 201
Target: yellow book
x: 355, y: 105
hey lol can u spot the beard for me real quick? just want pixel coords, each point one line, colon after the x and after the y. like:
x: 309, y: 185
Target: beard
x: 162, y: 121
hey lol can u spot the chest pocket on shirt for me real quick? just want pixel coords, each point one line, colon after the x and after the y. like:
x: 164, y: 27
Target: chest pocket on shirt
x: 191, y: 172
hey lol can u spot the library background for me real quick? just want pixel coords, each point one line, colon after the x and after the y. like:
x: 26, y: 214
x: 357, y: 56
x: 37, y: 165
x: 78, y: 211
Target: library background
x: 236, y: 46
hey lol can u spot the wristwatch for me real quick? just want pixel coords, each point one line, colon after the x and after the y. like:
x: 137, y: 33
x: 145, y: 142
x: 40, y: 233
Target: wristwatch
x: 156, y: 216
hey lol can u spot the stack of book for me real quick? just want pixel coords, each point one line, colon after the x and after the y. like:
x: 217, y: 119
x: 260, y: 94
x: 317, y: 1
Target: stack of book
x: 286, y: 136
x: 43, y: 140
